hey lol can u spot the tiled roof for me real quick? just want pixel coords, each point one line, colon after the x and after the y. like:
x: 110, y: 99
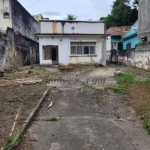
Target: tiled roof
x: 118, y: 31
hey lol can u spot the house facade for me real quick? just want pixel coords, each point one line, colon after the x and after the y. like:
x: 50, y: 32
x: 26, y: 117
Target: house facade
x: 72, y: 42
x: 18, y: 45
x: 130, y: 39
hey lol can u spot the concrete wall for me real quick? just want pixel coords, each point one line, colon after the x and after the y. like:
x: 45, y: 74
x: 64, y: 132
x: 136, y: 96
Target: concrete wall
x: 140, y: 59
x: 4, y: 23
x: 64, y: 51
x: 144, y: 21
x: 23, y: 22
x: 71, y: 27
x: 16, y: 50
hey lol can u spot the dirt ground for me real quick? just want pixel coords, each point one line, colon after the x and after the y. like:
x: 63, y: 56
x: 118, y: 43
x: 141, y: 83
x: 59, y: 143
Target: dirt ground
x: 20, y: 90
x: 83, y: 116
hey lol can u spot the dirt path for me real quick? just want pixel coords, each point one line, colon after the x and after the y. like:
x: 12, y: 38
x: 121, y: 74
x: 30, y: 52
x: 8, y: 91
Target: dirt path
x: 87, y: 119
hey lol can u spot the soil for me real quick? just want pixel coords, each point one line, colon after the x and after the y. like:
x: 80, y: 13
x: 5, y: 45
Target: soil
x: 11, y: 98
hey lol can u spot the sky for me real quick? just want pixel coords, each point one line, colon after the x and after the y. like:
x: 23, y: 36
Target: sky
x: 58, y: 9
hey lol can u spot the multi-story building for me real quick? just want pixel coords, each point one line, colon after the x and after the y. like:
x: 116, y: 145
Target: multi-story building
x: 18, y: 27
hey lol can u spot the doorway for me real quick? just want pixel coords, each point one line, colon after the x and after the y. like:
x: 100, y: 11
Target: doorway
x: 50, y: 55
x: 54, y: 54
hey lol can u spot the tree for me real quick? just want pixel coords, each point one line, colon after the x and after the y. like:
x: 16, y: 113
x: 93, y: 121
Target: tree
x: 71, y: 17
x: 135, y: 3
x: 122, y: 14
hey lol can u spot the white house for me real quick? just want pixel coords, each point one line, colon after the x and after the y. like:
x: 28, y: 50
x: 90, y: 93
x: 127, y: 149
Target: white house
x: 72, y: 42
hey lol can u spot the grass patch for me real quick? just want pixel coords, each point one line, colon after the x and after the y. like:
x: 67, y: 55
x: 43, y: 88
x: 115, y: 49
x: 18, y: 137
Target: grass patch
x: 123, y: 81
x: 39, y: 72
x: 14, y: 98
x: 117, y: 89
x: 1, y: 88
x: 147, y: 125
x: 17, y: 141
x: 8, y: 142
x: 51, y: 119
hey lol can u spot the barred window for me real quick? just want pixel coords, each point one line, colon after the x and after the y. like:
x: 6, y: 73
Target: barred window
x: 83, y: 48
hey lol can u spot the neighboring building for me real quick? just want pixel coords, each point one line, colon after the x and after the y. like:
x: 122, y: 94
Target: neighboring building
x: 116, y: 34
x: 38, y: 17
x: 72, y: 42
x: 114, y: 41
x: 21, y: 45
x: 130, y: 39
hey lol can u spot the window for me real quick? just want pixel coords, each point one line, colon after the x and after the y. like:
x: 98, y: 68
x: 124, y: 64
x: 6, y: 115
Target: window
x: 73, y: 50
x: 92, y: 49
x: 79, y: 49
x: 128, y: 46
x: 86, y: 49
x: 6, y: 15
x: 83, y: 48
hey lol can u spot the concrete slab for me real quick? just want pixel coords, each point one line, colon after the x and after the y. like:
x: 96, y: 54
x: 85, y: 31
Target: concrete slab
x: 90, y: 120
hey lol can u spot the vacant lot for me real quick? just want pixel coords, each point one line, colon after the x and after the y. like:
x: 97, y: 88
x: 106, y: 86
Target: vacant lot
x: 108, y: 116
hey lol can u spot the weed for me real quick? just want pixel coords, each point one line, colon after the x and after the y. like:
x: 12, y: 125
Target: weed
x: 99, y: 99
x: 117, y: 89
x: 125, y: 79
x: 51, y: 119
x: 8, y: 142
x: 34, y: 93
x: 147, y: 125
x: 1, y: 88
x: 38, y: 72
x: 17, y: 141
x: 14, y: 98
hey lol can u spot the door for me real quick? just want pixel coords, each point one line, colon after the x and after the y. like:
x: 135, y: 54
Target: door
x: 54, y: 54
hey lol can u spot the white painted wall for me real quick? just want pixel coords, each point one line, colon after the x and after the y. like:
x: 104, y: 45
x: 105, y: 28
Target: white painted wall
x: 65, y: 56
x: 5, y: 7
x: 108, y: 48
x: 66, y: 27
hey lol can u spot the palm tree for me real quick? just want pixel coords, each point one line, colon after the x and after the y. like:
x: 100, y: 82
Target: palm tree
x: 71, y: 17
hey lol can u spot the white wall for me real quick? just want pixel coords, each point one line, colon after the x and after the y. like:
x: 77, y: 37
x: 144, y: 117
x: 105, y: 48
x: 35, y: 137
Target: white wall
x: 64, y: 50
x: 5, y: 7
x: 108, y: 48
x: 66, y: 27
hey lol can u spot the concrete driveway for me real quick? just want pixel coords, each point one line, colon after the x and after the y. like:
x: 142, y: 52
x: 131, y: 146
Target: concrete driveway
x: 87, y: 120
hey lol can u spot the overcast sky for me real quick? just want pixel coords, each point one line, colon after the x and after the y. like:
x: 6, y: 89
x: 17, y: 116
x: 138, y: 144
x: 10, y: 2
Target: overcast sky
x: 58, y: 9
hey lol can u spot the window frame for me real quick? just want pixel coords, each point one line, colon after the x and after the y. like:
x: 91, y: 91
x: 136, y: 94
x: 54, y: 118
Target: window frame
x: 83, y: 44
x: 6, y: 14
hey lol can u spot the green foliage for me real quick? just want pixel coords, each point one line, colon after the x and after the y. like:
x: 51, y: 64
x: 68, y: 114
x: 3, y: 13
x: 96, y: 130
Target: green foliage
x: 8, y: 142
x: 51, y: 119
x: 71, y: 17
x: 123, y: 81
x: 17, y: 141
x: 147, y: 125
x: 14, y: 98
x: 117, y: 89
x: 1, y: 88
x: 38, y: 72
x: 122, y: 14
